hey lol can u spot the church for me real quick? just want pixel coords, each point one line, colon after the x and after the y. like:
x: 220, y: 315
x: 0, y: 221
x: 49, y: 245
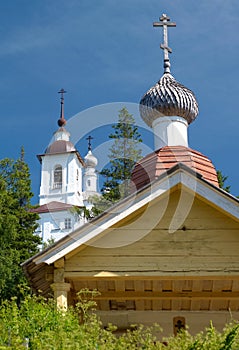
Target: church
x: 67, y: 182
x: 166, y: 254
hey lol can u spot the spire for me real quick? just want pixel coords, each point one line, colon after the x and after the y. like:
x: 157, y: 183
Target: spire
x: 89, y: 138
x: 90, y: 160
x: 62, y: 121
x: 164, y: 22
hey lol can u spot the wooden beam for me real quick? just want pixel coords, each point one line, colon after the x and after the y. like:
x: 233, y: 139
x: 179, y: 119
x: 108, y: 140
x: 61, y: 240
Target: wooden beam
x: 140, y: 295
x: 142, y: 276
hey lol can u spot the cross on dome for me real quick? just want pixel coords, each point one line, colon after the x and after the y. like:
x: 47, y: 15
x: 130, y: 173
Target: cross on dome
x: 165, y: 23
x: 62, y: 121
x: 89, y: 138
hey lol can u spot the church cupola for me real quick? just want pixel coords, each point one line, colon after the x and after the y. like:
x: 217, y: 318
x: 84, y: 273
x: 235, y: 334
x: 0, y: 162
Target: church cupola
x: 168, y: 107
x: 90, y: 179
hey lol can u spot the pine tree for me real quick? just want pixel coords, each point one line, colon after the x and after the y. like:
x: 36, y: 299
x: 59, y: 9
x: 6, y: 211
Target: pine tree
x: 124, y: 153
x: 9, y: 255
x: 17, y: 224
x: 221, y: 181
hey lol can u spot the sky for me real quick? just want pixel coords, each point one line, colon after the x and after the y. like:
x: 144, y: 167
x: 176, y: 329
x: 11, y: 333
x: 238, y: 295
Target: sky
x: 106, y: 55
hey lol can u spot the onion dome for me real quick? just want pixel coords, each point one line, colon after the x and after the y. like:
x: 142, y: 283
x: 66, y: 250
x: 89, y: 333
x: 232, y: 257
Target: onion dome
x: 168, y: 98
x: 173, y: 101
x: 90, y: 160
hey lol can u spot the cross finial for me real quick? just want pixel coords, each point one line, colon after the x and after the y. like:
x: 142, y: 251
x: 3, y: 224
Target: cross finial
x: 62, y: 121
x: 89, y: 138
x: 165, y: 23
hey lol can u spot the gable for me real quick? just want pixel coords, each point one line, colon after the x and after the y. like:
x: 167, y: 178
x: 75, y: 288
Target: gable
x: 177, y: 178
x: 205, y: 243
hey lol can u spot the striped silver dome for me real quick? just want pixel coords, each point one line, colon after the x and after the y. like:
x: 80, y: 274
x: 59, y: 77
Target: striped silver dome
x: 168, y: 98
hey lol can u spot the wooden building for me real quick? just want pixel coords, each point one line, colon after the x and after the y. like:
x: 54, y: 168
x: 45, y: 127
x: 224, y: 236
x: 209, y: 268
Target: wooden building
x: 169, y: 252
x: 145, y: 272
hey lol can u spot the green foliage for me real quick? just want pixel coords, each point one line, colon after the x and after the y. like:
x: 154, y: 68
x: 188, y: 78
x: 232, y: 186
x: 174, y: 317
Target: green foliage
x: 124, y: 153
x: 100, y: 204
x: 221, y: 180
x: 48, y: 243
x: 38, y: 322
x: 17, y: 224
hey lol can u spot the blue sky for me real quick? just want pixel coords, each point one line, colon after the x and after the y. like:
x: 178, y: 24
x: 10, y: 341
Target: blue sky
x: 106, y: 51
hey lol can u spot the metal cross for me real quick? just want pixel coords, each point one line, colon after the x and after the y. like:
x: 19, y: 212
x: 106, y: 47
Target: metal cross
x: 62, y: 92
x: 165, y: 23
x: 89, y: 138
x: 61, y: 122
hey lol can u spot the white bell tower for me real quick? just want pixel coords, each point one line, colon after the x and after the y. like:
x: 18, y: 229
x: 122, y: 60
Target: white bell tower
x: 66, y: 184
x: 61, y: 172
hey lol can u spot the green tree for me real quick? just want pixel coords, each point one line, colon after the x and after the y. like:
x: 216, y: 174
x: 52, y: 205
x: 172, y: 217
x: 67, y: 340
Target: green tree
x: 124, y: 153
x: 17, y: 224
x: 221, y: 181
x: 9, y: 255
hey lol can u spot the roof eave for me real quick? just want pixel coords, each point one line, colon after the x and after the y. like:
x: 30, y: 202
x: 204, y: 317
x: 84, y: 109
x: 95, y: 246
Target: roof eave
x: 40, y: 156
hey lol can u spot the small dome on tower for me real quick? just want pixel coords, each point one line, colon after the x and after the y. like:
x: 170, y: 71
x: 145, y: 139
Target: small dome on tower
x: 60, y: 146
x: 90, y: 160
x: 168, y: 98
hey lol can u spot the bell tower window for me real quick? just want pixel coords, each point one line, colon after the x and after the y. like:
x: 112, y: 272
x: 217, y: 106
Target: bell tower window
x: 57, y: 177
x: 67, y: 223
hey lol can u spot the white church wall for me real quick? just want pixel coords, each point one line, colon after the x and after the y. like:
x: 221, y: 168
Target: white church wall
x: 70, y: 191
x: 55, y: 225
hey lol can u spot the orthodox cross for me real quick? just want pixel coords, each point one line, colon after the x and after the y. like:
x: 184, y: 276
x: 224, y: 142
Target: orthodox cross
x: 62, y: 121
x: 179, y: 326
x: 165, y: 23
x: 89, y: 138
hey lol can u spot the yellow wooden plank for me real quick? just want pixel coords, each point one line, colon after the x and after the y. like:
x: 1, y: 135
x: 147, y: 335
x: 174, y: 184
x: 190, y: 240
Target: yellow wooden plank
x: 157, y: 287
x: 129, y: 284
x: 177, y: 286
x: 166, y: 304
x: 132, y: 278
x: 217, y: 286
x: 186, y: 304
x: 139, y: 288
x: 102, y: 287
x: 119, y: 285
x: 141, y: 295
x: 234, y: 304
x: 211, y: 242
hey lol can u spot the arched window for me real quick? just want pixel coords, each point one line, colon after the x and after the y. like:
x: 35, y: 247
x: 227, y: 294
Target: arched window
x: 57, y: 177
x: 88, y: 183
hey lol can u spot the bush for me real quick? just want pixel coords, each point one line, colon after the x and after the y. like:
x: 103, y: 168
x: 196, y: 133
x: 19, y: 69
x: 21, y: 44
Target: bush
x: 36, y: 323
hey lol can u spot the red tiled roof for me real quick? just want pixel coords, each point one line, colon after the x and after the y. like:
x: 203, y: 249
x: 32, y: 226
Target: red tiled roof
x: 156, y: 163
x: 51, y: 207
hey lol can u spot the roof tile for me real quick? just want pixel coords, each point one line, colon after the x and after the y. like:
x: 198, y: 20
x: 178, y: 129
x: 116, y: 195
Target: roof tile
x: 156, y: 163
